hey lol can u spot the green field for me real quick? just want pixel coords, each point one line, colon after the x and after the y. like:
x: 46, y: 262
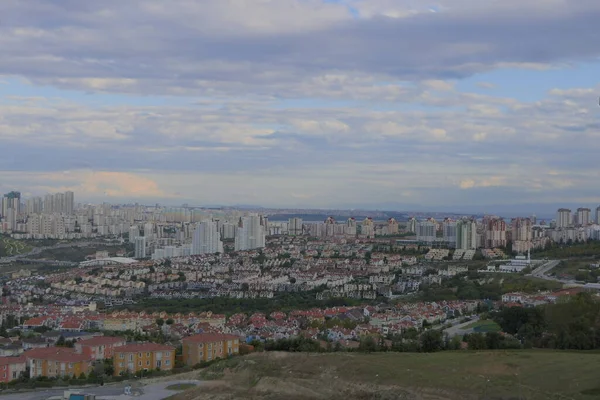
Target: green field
x: 501, y: 375
x: 484, y: 326
x: 11, y: 247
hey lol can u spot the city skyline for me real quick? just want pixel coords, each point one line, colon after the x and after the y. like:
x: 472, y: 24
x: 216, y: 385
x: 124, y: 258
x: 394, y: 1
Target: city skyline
x: 296, y: 103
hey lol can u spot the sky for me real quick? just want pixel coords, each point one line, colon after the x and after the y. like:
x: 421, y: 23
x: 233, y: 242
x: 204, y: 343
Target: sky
x: 391, y: 104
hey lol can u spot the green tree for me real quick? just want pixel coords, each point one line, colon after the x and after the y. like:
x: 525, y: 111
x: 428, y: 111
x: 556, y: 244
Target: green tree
x: 431, y: 341
x: 367, y: 345
x: 160, y: 321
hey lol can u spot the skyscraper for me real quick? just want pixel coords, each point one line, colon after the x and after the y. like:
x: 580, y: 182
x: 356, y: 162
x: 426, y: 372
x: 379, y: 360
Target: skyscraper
x: 426, y: 230
x: 250, y: 234
x: 563, y: 218
x: 449, y: 230
x: 392, y: 226
x: 466, y: 234
x: 69, y: 203
x: 140, y: 247
x: 295, y: 226
x: 495, y: 232
x: 598, y: 215
x: 584, y: 216
x: 207, y: 239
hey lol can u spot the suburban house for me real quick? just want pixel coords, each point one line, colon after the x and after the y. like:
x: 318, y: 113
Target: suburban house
x: 57, y: 361
x: 99, y: 347
x: 142, y: 357
x: 11, y: 368
x: 208, y: 346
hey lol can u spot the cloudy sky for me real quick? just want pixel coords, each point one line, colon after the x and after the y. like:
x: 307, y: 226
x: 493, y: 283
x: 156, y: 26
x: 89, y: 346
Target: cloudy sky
x: 302, y: 103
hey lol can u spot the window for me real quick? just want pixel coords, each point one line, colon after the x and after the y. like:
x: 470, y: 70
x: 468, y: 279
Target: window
x: 148, y: 362
x: 120, y: 364
x: 140, y: 355
x: 201, y: 345
x: 167, y: 362
x: 4, y: 367
x: 148, y: 354
x: 168, y: 354
x: 121, y: 356
x: 70, y: 365
x: 139, y: 363
x: 131, y: 357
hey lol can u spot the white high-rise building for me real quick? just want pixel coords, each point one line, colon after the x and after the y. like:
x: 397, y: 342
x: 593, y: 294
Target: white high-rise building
x: 140, y: 247
x: 426, y: 230
x: 584, y: 216
x: 207, y: 239
x: 295, y: 226
x: 598, y: 215
x: 250, y: 234
x: 449, y: 231
x: 134, y: 231
x: 466, y: 234
x: 563, y: 218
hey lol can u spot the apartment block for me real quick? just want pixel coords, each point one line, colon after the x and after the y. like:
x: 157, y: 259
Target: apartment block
x: 100, y: 347
x: 57, y: 361
x: 12, y: 368
x: 209, y: 346
x: 142, y: 357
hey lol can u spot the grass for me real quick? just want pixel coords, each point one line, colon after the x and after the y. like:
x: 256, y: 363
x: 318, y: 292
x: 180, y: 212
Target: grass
x: 11, y: 247
x: 483, y: 326
x: 181, y: 386
x: 523, y: 374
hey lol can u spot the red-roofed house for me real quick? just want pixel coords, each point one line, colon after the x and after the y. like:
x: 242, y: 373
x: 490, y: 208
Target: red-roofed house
x: 208, y: 346
x: 11, y: 368
x: 143, y: 356
x: 99, y: 347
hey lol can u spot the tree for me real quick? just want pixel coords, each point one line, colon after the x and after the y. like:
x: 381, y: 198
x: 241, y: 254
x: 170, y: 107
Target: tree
x: 170, y: 321
x: 367, y: 345
x: 476, y: 341
x: 61, y: 341
x: 160, y: 321
x: 431, y: 341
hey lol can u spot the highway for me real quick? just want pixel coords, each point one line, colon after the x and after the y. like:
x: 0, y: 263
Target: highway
x: 543, y: 270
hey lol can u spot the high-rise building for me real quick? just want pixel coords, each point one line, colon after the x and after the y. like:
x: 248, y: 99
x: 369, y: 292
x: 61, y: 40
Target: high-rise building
x: 521, y: 233
x: 563, y: 218
x: 295, y: 226
x: 449, y: 231
x: 250, y: 233
x: 411, y: 225
x: 134, y: 231
x: 367, y: 228
x: 34, y: 205
x: 69, y: 203
x: 426, y: 230
x: 140, y: 247
x: 466, y: 234
x: 494, y: 232
x: 392, y: 226
x: 12, y: 201
x: 584, y: 216
x: 598, y: 215
x: 206, y: 239
x: 350, y: 227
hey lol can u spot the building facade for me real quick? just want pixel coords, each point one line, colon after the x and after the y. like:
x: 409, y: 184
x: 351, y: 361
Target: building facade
x: 209, y: 346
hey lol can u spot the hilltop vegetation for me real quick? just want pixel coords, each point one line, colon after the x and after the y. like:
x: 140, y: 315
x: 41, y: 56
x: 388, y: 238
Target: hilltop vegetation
x: 500, y: 375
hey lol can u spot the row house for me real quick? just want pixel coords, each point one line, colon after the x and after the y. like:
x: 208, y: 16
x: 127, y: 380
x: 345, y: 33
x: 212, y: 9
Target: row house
x: 137, y: 357
x: 209, y: 346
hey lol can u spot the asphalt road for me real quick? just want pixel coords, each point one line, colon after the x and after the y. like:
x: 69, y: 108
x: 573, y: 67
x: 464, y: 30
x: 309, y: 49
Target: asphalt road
x: 459, y: 329
x: 155, y: 391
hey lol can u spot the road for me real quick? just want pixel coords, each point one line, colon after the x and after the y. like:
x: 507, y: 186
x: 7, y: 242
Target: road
x: 154, y: 391
x: 543, y: 270
x: 458, y: 329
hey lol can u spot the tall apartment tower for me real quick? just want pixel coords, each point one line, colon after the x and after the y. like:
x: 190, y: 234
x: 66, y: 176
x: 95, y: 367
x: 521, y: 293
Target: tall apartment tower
x: 449, y: 231
x: 140, y: 247
x: 392, y: 226
x: 598, y: 215
x: 466, y: 234
x: 584, y: 216
x: 69, y: 203
x: 295, y: 226
x: 563, y: 218
x: 426, y: 230
x: 495, y: 232
x: 206, y: 239
x: 250, y: 233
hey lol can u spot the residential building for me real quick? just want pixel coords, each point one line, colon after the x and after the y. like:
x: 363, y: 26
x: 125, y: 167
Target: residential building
x: 250, y: 233
x: 598, y: 215
x: 140, y: 247
x: 99, y: 347
x: 563, y: 218
x: 295, y: 226
x: 57, y: 361
x: 142, y: 357
x: 584, y: 216
x: 426, y: 230
x: 350, y: 227
x: 207, y: 239
x: 392, y: 226
x: 12, y: 368
x: 411, y: 225
x: 209, y: 346
x: 367, y: 228
x: 495, y: 232
x: 449, y: 231
x: 466, y: 234
x: 521, y: 234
